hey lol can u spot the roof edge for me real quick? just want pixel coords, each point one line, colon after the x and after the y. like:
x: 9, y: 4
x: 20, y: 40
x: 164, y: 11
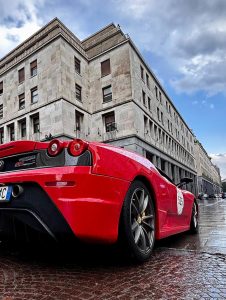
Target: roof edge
x: 38, y: 32
x: 99, y: 31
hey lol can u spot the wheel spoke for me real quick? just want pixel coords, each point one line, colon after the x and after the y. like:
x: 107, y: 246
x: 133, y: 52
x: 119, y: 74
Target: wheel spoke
x: 135, y: 194
x: 137, y: 234
x: 145, y: 204
x: 147, y: 237
x: 141, y: 201
x: 147, y: 217
x: 135, y: 208
x: 134, y: 225
x: 148, y: 225
x: 143, y: 240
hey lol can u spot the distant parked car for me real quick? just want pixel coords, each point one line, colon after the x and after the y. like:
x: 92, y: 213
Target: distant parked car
x: 202, y: 196
x: 224, y: 195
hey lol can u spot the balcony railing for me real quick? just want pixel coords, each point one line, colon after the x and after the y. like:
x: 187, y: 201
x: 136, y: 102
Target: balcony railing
x: 111, y: 127
x: 111, y: 131
x: 80, y: 134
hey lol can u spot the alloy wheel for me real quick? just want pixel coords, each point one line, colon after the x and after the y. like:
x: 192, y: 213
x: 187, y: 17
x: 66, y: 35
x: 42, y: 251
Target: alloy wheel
x: 142, y: 220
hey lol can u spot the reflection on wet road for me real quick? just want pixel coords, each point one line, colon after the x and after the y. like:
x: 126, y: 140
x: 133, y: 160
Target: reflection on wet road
x: 181, y: 267
x: 212, y: 231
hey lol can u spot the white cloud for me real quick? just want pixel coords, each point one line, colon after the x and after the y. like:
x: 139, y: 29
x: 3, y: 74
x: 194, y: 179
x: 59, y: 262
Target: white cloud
x: 18, y: 21
x: 220, y: 161
x: 189, y: 35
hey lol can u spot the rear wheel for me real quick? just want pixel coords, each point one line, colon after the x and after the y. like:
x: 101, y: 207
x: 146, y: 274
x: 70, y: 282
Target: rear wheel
x: 194, y: 225
x: 138, y: 222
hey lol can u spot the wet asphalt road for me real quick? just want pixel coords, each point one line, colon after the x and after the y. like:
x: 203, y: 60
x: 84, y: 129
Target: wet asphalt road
x: 181, y: 267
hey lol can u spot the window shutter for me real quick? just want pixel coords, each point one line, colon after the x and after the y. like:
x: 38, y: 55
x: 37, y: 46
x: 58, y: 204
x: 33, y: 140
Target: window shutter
x: 34, y: 64
x: 21, y: 75
x: 105, y: 68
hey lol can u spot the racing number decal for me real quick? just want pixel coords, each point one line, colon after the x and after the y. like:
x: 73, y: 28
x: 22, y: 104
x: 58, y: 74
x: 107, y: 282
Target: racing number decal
x: 180, y: 202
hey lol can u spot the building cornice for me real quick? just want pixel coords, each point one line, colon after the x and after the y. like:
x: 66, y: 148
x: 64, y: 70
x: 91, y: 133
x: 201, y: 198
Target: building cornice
x: 37, y: 108
x: 53, y: 29
x: 99, y: 31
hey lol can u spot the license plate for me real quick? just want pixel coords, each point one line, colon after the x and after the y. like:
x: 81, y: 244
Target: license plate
x: 5, y: 193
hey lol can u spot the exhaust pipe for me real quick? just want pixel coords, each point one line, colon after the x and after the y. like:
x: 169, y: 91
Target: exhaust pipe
x: 17, y: 190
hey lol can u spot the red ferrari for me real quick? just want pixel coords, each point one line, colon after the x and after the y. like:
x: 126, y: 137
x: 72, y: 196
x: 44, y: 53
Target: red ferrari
x: 90, y: 191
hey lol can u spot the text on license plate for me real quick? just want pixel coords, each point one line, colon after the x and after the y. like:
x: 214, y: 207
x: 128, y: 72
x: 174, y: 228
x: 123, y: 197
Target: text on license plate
x: 5, y: 193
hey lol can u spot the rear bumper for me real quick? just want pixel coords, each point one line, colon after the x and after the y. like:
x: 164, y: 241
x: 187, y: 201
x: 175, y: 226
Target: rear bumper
x: 88, y: 208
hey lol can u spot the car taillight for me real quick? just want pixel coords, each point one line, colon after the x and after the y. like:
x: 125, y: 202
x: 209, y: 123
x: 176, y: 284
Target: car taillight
x: 77, y: 147
x: 55, y: 147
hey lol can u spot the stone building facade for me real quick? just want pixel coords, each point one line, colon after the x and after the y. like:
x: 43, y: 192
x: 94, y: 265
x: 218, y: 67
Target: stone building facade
x: 97, y: 89
x: 208, y: 175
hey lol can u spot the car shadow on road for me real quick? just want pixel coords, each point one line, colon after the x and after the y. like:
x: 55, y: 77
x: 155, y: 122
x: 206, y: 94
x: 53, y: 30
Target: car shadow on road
x: 81, y: 254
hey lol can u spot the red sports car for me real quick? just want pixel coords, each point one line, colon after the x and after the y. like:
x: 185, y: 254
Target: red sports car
x: 92, y: 191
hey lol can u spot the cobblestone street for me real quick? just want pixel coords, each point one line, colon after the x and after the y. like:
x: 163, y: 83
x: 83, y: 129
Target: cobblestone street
x: 181, y: 267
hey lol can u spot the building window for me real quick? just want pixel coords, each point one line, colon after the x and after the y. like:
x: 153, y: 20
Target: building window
x: 35, y: 123
x: 1, y: 87
x: 1, y: 111
x: 33, y: 68
x: 77, y: 65
x: 1, y: 135
x: 109, y: 121
x: 149, y: 103
x: 78, y: 92
x: 23, y: 129
x: 147, y: 81
x: 162, y: 118
x: 105, y: 68
x: 160, y: 97
x: 156, y: 92
x: 142, y: 72
x: 155, y: 132
x: 21, y: 75
x: 144, y: 98
x: 34, y: 95
x: 107, y: 93
x: 145, y: 125
x: 21, y: 101
x: 11, y: 132
x: 78, y: 121
x: 163, y: 165
x: 150, y: 127
x: 158, y: 114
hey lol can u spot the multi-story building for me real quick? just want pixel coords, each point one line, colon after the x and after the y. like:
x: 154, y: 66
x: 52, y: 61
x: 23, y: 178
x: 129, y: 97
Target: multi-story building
x: 208, y: 175
x: 98, y: 89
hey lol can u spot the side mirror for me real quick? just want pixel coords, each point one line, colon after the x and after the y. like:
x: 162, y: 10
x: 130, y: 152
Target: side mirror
x: 184, y: 181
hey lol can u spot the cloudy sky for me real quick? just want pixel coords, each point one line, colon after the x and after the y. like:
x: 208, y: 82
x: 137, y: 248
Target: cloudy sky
x: 183, y: 41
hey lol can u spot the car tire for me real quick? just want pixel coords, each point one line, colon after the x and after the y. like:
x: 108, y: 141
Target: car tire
x: 137, y: 226
x: 194, y: 225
